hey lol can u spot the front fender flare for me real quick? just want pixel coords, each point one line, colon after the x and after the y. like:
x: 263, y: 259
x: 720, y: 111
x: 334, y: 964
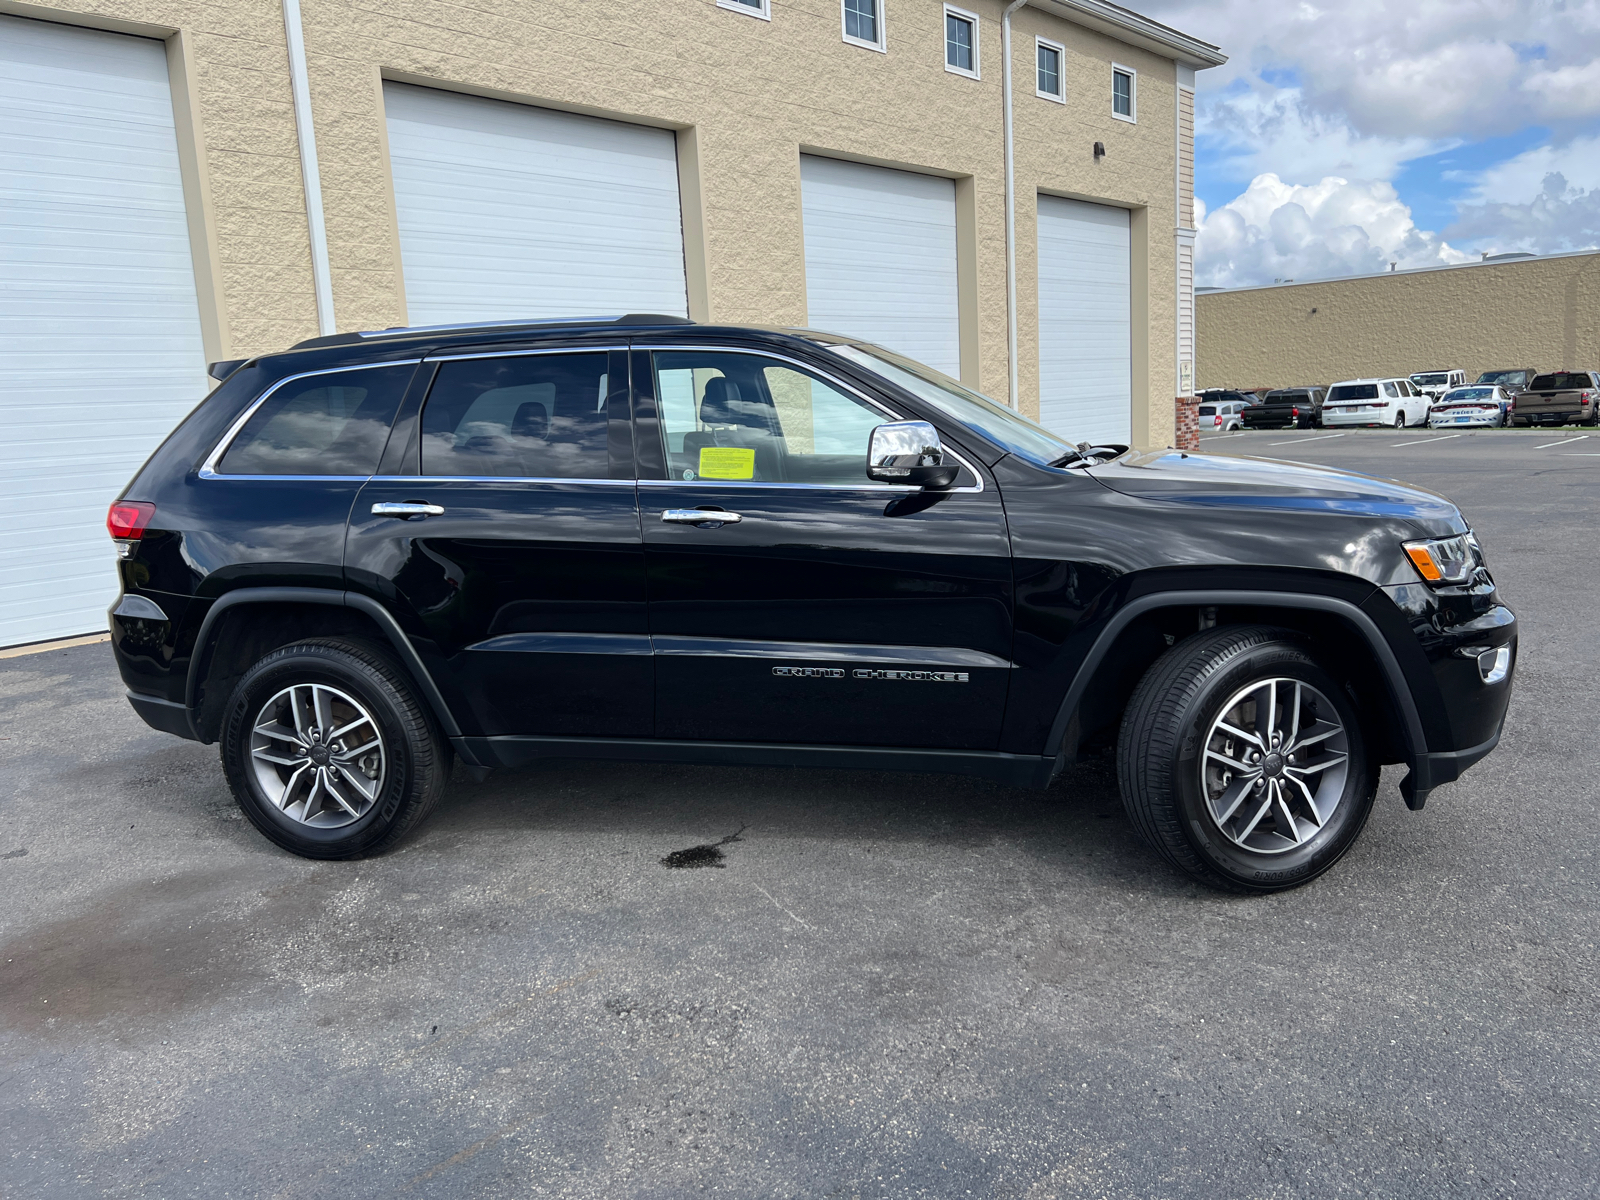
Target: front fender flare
x: 1416, y: 785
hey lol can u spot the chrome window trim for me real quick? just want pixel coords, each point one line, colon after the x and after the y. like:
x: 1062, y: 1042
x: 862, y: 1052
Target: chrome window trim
x: 804, y: 487
x: 498, y: 479
x: 832, y: 380
x: 208, y: 469
x: 529, y: 353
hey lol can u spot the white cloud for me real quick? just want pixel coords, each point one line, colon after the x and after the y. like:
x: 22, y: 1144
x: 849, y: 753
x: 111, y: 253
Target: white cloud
x: 1335, y: 227
x: 1264, y: 129
x: 1516, y: 179
x: 1428, y: 68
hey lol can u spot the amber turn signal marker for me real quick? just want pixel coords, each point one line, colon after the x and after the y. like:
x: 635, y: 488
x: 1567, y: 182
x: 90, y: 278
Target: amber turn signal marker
x: 1423, y: 562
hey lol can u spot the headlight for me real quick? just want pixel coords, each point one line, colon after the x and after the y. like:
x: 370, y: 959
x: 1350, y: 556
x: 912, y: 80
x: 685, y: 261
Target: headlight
x: 1446, y: 560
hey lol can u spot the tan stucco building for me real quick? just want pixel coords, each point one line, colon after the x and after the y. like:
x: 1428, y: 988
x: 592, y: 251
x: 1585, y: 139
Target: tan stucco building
x: 222, y: 179
x: 1538, y: 312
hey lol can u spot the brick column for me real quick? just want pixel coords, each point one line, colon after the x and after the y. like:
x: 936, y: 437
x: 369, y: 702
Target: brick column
x: 1187, y: 423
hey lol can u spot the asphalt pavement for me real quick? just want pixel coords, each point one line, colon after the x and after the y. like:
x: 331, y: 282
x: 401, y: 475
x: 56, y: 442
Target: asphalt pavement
x: 891, y: 986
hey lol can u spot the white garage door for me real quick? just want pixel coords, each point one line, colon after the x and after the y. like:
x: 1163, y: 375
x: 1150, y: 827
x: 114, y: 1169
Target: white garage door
x: 1085, y: 321
x: 512, y: 212
x: 100, y: 352
x: 881, y: 258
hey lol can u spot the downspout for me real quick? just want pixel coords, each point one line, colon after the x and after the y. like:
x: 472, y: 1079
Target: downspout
x: 1011, y: 209
x: 300, y: 87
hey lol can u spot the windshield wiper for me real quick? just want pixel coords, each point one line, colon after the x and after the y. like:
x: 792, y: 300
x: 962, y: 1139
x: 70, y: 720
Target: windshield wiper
x: 1088, y: 455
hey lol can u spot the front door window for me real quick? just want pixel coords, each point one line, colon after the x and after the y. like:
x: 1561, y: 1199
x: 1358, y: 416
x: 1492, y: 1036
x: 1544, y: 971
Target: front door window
x: 745, y: 417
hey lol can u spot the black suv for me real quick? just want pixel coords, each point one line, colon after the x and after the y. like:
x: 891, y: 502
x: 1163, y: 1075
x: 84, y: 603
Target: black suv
x: 1287, y: 408
x: 642, y: 538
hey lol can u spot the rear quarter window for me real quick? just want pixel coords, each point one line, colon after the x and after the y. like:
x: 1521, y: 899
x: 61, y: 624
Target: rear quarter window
x: 334, y: 423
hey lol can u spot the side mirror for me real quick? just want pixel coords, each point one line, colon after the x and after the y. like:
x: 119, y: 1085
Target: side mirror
x: 909, y: 452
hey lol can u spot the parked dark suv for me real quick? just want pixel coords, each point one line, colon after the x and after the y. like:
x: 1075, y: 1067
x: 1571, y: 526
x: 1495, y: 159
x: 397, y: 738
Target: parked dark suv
x: 648, y: 539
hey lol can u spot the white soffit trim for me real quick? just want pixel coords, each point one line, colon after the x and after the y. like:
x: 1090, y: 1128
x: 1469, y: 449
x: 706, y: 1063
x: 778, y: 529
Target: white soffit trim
x: 1136, y: 30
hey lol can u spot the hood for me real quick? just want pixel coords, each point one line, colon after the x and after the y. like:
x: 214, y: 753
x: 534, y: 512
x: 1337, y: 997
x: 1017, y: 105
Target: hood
x: 1242, y: 484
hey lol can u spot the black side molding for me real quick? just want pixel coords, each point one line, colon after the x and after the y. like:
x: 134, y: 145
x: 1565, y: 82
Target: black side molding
x: 1424, y: 775
x: 1015, y: 770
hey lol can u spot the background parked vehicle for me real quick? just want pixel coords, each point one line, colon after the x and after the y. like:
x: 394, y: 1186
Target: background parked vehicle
x: 1434, y: 384
x: 1512, y: 381
x: 1222, y: 416
x: 1559, y: 398
x: 1286, y: 408
x: 1471, y: 406
x: 1375, y: 402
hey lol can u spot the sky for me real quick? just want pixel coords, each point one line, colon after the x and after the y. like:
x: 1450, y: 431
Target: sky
x: 1342, y: 137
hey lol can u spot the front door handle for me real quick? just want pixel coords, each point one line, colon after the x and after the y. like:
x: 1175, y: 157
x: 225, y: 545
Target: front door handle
x: 700, y: 516
x: 409, y: 508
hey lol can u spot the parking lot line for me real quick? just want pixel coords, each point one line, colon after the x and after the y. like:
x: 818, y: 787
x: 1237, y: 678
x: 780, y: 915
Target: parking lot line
x: 1318, y: 438
x: 1425, y: 441
x: 1562, y: 442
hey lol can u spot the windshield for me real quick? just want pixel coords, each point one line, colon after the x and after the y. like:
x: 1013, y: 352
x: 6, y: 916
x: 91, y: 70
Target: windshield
x: 1561, y: 381
x: 1469, y: 393
x: 1354, y: 391
x: 1431, y: 378
x: 1512, y: 377
x: 1002, y: 426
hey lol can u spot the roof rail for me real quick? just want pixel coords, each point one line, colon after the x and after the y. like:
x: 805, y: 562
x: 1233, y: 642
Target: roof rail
x: 337, y: 339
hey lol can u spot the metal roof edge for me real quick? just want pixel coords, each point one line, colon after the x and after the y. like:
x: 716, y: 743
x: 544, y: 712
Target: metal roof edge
x: 1129, y: 26
x: 1513, y: 262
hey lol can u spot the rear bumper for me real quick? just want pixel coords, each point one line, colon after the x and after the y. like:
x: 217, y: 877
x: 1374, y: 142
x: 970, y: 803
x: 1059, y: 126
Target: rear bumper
x: 165, y: 715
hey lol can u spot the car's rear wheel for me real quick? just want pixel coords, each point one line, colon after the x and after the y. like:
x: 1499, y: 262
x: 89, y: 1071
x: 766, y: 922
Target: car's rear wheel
x: 329, y: 753
x: 1243, y: 762
x: 1400, y: 419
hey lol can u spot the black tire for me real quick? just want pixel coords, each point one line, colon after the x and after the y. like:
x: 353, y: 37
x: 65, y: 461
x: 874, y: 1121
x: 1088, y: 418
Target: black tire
x: 416, y: 759
x: 1163, y: 734
x: 1400, y: 419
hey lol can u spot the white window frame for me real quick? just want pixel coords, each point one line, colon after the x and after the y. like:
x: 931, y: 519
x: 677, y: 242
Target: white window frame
x: 1133, y: 93
x: 881, y: 45
x: 950, y: 10
x: 1061, y: 69
x: 761, y: 9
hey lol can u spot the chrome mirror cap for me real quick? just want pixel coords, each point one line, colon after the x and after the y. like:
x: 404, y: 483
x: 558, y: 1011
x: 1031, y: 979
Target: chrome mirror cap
x: 909, y: 452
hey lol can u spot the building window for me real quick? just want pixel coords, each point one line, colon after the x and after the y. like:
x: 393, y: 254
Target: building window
x: 863, y: 23
x: 960, y: 41
x: 753, y: 8
x: 1050, y: 56
x: 1124, y: 93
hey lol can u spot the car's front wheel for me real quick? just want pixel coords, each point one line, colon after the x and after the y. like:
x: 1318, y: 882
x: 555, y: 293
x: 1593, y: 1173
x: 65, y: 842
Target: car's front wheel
x: 1242, y: 761
x: 329, y: 753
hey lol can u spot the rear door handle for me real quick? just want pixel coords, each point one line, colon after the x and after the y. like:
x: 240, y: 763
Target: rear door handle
x: 409, y: 508
x: 700, y: 516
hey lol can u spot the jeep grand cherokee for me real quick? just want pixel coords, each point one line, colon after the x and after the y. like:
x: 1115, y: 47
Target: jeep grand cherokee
x: 642, y: 538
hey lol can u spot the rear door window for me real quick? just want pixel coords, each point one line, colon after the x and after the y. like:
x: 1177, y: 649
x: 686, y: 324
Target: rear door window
x: 536, y: 416
x: 329, y: 424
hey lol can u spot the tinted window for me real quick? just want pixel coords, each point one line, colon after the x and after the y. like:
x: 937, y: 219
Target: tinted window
x: 1511, y: 378
x: 1354, y: 391
x: 1561, y: 381
x: 1208, y: 410
x: 539, y: 417
x: 334, y: 424
x: 1288, y: 398
x: 743, y: 416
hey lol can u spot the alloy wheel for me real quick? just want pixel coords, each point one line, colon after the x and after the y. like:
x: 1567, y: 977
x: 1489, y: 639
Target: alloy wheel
x: 1274, y: 767
x: 318, y: 755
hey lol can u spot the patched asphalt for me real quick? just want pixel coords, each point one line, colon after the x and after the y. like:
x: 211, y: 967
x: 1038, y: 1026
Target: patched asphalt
x: 889, y: 986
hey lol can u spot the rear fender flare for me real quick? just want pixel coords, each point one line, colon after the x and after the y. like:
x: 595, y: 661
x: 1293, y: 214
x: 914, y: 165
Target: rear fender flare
x: 200, y: 661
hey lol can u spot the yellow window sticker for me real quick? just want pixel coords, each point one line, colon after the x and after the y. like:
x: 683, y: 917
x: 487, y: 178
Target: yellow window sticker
x: 727, y: 462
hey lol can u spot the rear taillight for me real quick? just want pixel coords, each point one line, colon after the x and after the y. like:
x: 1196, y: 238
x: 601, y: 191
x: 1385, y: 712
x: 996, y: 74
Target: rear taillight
x: 126, y: 522
x: 1295, y: 412
x: 1217, y: 420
